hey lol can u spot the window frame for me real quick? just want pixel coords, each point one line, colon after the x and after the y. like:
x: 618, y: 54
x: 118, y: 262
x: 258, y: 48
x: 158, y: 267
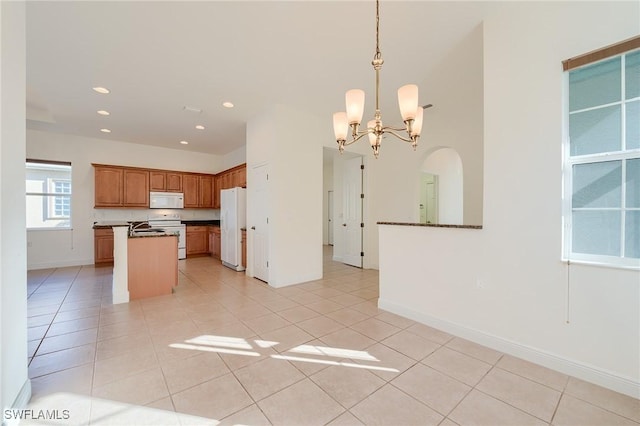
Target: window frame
x: 622, y: 155
x: 49, y: 196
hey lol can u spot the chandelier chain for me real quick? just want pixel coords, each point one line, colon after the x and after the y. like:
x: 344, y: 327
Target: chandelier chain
x: 378, y: 54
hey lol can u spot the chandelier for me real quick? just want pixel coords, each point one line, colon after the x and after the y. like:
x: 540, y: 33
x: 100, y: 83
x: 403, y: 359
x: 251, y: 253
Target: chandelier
x: 407, y: 100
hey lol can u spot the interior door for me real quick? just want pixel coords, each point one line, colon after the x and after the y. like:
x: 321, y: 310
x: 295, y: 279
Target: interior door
x: 260, y: 227
x: 352, y: 217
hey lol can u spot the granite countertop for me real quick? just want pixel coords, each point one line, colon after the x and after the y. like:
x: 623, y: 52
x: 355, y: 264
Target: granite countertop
x: 110, y: 224
x: 211, y: 222
x: 433, y: 225
x: 154, y: 234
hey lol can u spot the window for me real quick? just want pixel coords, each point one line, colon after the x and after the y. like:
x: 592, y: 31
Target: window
x: 602, y: 161
x: 48, y: 186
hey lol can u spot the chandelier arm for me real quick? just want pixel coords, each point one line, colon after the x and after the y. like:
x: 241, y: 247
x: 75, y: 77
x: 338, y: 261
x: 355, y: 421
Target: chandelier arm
x: 357, y: 138
x: 395, y: 129
x: 402, y: 138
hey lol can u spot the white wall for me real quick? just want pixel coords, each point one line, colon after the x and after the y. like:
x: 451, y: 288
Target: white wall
x: 56, y: 248
x: 584, y: 321
x: 15, y: 388
x: 234, y: 158
x: 290, y: 141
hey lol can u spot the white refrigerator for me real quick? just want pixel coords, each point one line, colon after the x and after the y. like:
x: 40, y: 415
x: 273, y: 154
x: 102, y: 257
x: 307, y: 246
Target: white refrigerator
x: 233, y: 217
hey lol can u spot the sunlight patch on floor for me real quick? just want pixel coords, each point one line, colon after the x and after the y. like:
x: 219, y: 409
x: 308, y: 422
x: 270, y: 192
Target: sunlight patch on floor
x: 235, y: 346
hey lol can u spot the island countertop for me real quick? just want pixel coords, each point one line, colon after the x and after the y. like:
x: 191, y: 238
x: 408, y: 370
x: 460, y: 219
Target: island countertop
x: 433, y: 225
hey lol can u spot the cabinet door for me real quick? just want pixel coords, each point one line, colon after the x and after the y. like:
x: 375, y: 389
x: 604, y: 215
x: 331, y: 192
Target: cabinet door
x: 216, y: 192
x: 157, y: 181
x: 174, y: 182
x: 217, y: 238
x: 103, y: 246
x: 136, y: 188
x: 244, y: 248
x: 206, y: 191
x: 197, y: 240
x: 108, y: 186
x: 190, y: 187
x: 242, y: 176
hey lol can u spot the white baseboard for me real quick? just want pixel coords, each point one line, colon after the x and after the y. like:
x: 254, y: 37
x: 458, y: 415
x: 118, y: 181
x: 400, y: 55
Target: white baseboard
x: 59, y: 264
x: 570, y: 367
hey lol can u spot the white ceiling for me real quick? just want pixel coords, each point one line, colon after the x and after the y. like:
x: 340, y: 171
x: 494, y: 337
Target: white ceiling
x: 158, y: 57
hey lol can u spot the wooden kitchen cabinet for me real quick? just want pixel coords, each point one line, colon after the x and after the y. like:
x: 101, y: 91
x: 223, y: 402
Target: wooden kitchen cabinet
x: 244, y: 248
x: 108, y: 186
x: 191, y: 190
x: 231, y: 178
x: 103, y: 246
x: 197, y: 240
x: 215, y: 242
x: 121, y: 187
x: 136, y: 188
x: 206, y: 188
x: 216, y: 192
x: 198, y: 191
x: 163, y: 181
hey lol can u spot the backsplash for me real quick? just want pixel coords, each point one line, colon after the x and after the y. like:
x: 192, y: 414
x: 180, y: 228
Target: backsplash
x: 101, y: 215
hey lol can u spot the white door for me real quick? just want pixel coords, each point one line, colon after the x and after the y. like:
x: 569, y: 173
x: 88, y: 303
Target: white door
x: 260, y: 227
x: 352, y: 217
x: 330, y: 216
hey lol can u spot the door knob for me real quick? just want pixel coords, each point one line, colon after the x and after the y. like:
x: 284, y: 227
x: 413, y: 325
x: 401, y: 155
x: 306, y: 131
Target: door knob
x: 253, y: 227
x: 344, y: 224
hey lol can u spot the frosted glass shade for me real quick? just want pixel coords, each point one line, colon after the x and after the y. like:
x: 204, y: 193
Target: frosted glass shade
x: 340, y: 125
x: 372, y: 136
x: 416, y: 128
x: 408, y: 101
x: 355, y: 105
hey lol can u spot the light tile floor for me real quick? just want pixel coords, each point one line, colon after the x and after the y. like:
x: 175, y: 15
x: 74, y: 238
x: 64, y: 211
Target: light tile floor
x: 226, y: 348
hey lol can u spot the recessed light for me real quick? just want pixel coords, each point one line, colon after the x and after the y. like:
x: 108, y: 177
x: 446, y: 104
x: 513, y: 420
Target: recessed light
x: 102, y: 90
x: 103, y: 112
x: 227, y: 104
x: 105, y: 130
x: 200, y: 127
x: 184, y: 142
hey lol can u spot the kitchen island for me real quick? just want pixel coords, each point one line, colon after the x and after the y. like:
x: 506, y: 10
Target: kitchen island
x: 152, y: 264
x: 145, y: 262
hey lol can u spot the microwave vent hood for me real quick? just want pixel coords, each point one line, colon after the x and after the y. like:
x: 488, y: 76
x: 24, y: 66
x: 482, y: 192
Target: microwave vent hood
x: 166, y: 200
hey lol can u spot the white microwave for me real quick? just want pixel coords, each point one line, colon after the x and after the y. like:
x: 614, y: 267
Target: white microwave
x: 166, y: 200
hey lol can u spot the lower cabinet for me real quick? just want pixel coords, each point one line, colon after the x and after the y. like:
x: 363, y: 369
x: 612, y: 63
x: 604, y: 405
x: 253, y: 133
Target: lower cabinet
x: 197, y: 240
x: 214, y: 242
x: 244, y: 248
x: 103, y: 246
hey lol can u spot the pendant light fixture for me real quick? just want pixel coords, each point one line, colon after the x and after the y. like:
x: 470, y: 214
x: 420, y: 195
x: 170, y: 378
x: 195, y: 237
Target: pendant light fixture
x: 352, y: 117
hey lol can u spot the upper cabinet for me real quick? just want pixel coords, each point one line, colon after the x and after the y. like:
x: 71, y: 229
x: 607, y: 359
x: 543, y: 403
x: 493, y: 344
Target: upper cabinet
x: 118, y: 186
x: 121, y: 187
x: 198, y: 190
x: 163, y: 181
x: 191, y: 190
x: 231, y: 178
x: 136, y: 188
x: 109, y: 186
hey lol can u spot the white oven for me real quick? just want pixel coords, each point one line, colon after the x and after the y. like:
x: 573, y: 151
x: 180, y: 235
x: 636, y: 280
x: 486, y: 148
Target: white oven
x: 172, y: 223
